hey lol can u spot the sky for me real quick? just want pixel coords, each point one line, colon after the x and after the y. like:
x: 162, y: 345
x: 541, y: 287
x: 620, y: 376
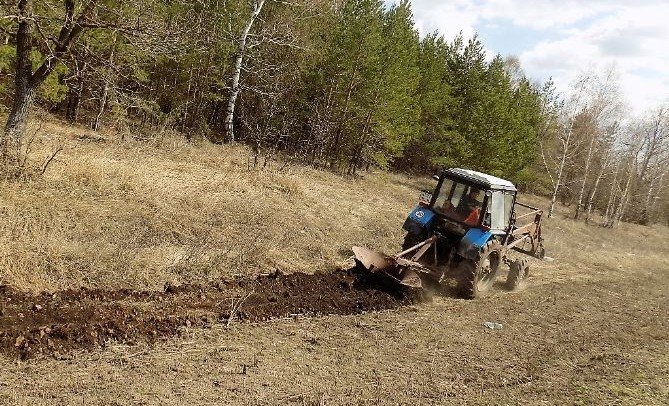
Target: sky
x: 564, y: 38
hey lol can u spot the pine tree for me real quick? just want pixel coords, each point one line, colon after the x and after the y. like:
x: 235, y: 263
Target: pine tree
x: 392, y: 119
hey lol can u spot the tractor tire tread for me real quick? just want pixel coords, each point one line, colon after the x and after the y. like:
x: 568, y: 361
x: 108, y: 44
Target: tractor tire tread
x: 469, y: 271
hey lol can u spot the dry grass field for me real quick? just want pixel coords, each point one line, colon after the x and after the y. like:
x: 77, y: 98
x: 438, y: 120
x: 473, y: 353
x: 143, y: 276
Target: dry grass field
x: 131, y: 214
x: 590, y: 327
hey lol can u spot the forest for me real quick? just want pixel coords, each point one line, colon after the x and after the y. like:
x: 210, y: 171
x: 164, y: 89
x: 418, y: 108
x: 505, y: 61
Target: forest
x: 346, y: 86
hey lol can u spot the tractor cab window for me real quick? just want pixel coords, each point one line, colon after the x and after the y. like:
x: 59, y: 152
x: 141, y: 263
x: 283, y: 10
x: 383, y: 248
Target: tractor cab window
x: 460, y: 202
x: 509, y: 198
x: 498, y: 212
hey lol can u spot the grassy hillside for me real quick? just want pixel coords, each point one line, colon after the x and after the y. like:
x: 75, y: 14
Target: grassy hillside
x: 109, y: 213
x: 590, y: 327
x: 132, y: 214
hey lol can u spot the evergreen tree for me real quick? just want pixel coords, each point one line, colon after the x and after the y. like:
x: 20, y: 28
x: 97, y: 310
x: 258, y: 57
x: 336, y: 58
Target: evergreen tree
x: 393, y: 113
x: 347, y: 85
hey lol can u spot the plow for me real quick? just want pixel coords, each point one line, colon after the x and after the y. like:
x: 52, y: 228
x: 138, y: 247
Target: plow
x: 466, y: 229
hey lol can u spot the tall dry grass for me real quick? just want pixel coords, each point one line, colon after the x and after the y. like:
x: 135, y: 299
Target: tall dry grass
x: 136, y: 214
x: 589, y: 251
x: 111, y: 213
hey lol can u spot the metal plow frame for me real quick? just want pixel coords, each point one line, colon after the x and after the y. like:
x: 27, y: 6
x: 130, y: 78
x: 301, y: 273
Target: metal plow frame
x: 398, y: 267
x: 528, y: 233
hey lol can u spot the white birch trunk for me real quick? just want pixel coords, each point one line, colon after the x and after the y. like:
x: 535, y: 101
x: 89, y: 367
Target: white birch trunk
x: 624, y: 198
x: 591, y: 199
x: 612, y: 197
x: 585, y: 176
x: 645, y: 215
x: 566, y: 143
x: 659, y: 189
x: 239, y: 60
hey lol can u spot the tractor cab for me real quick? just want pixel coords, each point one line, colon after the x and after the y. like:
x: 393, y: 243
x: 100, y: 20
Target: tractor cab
x: 463, y: 200
x: 474, y: 199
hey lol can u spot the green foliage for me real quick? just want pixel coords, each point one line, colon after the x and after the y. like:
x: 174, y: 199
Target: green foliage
x: 366, y: 77
x: 347, y: 85
x: 473, y: 114
x: 52, y: 90
x: 397, y: 111
x: 7, y: 56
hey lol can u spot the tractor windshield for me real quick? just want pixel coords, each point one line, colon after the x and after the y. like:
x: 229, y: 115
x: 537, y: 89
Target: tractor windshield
x: 460, y: 202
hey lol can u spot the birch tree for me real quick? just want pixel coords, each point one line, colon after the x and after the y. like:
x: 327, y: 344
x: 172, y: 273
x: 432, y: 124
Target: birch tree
x: 237, y: 70
x: 654, y: 161
x: 631, y: 157
x: 613, y: 190
x: 607, y: 151
x: 566, y: 144
x: 604, y: 106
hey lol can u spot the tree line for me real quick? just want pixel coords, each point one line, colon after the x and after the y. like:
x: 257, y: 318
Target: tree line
x: 344, y: 85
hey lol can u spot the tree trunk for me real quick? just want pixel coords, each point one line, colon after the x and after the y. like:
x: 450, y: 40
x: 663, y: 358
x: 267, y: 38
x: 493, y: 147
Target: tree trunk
x: 624, y: 197
x: 17, y: 120
x: 646, y: 211
x: 558, y: 178
x: 359, y: 150
x: 234, y: 89
x: 186, y: 104
x: 645, y: 216
x: 612, y: 197
x: 588, y: 159
x: 357, y: 153
x: 340, y: 124
x: 75, y: 90
x: 97, y: 121
x: 660, y: 187
x: 653, y: 139
x: 347, y: 101
x: 24, y: 93
x: 591, y: 199
x: 26, y: 81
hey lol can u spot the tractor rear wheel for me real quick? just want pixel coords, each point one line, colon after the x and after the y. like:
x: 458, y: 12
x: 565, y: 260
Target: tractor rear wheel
x: 479, y: 276
x: 519, y: 270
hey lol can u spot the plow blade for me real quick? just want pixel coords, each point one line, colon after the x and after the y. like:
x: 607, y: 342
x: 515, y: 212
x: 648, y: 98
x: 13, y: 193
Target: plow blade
x: 377, y: 262
x: 372, y: 260
x: 411, y: 279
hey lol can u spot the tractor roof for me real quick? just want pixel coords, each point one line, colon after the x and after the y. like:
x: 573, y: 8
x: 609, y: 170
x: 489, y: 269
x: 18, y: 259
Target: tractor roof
x: 485, y: 180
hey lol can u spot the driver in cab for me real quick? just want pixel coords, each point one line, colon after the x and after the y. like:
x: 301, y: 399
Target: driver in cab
x: 470, y: 207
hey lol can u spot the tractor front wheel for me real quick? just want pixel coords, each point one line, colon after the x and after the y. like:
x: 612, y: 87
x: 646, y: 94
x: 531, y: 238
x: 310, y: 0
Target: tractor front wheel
x: 411, y: 240
x: 477, y: 277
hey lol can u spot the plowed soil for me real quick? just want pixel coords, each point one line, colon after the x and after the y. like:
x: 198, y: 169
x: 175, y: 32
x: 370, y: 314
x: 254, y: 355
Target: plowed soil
x: 54, y: 324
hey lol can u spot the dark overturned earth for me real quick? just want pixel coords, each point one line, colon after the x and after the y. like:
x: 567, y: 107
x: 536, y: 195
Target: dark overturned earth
x: 54, y: 324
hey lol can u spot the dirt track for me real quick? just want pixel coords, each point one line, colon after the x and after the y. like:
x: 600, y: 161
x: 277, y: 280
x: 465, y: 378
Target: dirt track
x: 53, y: 324
x: 569, y: 338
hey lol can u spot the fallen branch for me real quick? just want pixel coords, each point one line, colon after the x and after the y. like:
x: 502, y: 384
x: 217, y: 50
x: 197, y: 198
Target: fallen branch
x: 236, y: 306
x: 50, y: 158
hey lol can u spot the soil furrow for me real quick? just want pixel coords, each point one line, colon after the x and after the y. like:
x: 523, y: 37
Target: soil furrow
x: 54, y: 324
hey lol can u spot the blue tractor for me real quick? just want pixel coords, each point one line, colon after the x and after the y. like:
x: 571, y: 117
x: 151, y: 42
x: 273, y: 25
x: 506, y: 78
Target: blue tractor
x: 464, y: 231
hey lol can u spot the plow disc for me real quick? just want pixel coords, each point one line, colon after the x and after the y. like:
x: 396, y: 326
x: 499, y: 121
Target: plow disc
x: 372, y: 260
x: 401, y: 270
